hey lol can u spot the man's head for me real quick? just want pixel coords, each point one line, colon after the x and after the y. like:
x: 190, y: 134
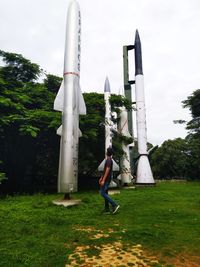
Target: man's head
x: 109, y: 151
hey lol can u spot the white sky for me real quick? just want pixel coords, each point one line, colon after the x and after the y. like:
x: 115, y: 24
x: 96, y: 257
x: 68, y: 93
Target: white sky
x: 170, y: 36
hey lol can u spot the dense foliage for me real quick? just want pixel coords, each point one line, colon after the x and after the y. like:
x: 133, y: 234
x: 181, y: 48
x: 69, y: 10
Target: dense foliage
x: 28, y: 144
x: 170, y: 160
x: 193, y: 103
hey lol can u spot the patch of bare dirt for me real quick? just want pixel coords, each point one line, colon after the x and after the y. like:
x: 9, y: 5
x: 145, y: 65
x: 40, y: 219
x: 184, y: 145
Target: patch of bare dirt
x: 183, y: 260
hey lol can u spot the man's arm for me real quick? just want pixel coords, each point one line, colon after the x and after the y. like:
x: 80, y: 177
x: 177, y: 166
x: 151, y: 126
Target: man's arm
x: 103, y: 178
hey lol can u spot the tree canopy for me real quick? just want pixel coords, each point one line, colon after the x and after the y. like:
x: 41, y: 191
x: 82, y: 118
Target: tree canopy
x: 193, y: 103
x: 27, y: 124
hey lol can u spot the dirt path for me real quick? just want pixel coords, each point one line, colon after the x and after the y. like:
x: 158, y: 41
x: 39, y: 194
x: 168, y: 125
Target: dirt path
x: 110, y: 254
x: 117, y: 254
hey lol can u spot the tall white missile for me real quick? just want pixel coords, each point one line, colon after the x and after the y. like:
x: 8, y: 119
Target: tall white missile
x: 70, y: 101
x: 108, y: 125
x: 144, y: 173
x: 125, y: 173
x: 108, y: 114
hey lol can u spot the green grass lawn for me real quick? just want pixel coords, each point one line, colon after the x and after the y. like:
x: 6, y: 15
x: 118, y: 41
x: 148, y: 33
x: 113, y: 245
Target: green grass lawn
x: 164, y: 219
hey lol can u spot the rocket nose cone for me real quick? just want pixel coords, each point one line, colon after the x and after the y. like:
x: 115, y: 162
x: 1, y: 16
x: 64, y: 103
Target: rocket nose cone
x: 138, y: 54
x: 74, y: 4
x: 107, y: 85
x: 137, y: 37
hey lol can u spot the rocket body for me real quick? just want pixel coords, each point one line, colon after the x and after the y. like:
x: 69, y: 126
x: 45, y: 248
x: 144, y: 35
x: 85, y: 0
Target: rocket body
x: 144, y: 173
x: 140, y: 115
x: 70, y: 101
x: 109, y: 125
x: 108, y: 122
x: 125, y: 175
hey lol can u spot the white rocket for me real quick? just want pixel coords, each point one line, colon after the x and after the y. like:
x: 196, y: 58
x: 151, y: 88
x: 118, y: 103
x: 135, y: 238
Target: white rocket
x: 70, y: 101
x: 108, y: 114
x: 125, y: 175
x: 144, y: 173
x: 109, y: 125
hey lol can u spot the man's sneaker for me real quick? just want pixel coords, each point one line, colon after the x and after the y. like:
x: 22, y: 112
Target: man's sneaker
x: 115, y: 209
x: 105, y: 211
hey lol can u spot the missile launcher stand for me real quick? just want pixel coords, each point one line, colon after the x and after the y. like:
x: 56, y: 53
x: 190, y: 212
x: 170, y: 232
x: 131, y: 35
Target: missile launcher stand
x: 128, y: 95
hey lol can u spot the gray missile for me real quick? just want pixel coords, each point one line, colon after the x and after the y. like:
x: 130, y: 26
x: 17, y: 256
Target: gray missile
x: 144, y: 173
x: 108, y: 122
x: 125, y: 167
x: 70, y: 102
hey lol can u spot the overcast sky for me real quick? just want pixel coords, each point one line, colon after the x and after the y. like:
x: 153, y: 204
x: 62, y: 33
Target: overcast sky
x: 169, y: 32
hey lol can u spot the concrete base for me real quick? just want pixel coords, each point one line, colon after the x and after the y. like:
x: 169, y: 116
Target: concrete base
x: 128, y: 187
x: 145, y: 184
x: 112, y: 184
x: 67, y: 202
x: 113, y: 192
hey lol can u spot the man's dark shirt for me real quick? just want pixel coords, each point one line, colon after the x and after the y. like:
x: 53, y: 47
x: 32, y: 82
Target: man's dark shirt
x: 108, y: 164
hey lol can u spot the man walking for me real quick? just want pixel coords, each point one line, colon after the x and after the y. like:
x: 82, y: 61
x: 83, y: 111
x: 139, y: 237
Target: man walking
x: 105, y: 180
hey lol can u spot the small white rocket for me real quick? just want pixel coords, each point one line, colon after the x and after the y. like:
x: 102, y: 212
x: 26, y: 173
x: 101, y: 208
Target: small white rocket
x: 108, y: 125
x: 125, y: 175
x: 108, y: 114
x: 70, y: 101
x: 144, y: 173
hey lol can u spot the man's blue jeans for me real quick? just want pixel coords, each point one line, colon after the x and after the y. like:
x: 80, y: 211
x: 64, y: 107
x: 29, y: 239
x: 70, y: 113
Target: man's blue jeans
x: 104, y: 194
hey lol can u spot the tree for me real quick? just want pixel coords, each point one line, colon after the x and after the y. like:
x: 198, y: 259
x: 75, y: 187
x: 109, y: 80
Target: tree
x: 18, y: 69
x: 193, y: 170
x: 27, y: 125
x: 193, y: 139
x: 91, y: 143
x: 170, y: 160
x: 193, y: 103
x: 52, y: 83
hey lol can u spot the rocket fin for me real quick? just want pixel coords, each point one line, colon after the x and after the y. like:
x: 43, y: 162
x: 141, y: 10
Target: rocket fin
x: 115, y: 166
x: 80, y: 133
x: 59, y: 131
x: 82, y: 106
x: 127, y: 134
x: 58, y: 102
x: 119, y: 177
x: 112, y: 184
x: 101, y: 166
